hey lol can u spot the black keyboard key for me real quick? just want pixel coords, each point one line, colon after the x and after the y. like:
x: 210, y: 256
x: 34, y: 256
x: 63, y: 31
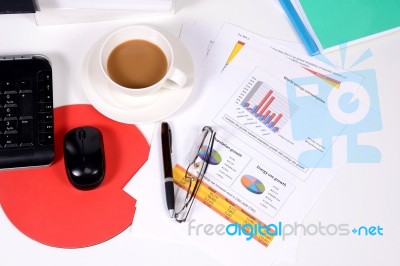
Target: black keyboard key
x: 45, y: 97
x: 10, y: 99
x: 44, y: 86
x: 10, y: 127
x: 10, y: 140
x: 46, y: 127
x: 10, y: 113
x: 24, y: 86
x: 45, y: 107
x: 45, y: 117
x: 46, y: 138
x: 26, y: 133
x: 45, y: 76
x: 26, y: 105
x: 7, y: 86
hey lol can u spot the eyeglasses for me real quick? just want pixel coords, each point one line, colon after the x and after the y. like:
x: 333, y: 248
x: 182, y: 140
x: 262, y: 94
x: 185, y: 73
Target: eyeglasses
x: 199, y: 159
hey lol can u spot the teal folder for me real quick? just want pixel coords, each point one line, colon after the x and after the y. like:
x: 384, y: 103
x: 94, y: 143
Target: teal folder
x: 331, y: 23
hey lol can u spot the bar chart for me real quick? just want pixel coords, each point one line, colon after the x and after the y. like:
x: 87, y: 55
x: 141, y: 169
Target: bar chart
x: 268, y: 106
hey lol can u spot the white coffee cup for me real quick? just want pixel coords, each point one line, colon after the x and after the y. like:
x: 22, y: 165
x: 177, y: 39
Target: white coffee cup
x: 150, y: 34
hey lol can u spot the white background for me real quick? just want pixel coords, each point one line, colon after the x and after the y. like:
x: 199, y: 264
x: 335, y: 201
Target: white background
x: 360, y: 194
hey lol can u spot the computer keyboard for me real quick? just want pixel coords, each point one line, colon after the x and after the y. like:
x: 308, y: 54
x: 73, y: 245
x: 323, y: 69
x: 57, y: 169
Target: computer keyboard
x: 26, y: 111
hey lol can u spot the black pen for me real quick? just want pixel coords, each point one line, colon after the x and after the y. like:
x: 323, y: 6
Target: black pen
x: 166, y: 141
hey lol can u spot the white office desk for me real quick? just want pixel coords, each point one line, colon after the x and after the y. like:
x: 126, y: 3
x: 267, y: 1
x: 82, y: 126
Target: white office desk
x: 362, y: 194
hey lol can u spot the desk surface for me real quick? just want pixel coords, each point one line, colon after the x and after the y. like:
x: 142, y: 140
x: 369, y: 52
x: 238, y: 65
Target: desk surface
x: 361, y: 194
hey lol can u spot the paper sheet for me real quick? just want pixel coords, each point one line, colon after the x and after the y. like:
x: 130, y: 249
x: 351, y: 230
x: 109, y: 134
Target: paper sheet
x: 239, y: 65
x: 294, y: 151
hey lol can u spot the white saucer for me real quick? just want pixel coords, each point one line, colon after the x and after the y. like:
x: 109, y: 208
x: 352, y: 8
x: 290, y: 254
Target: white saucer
x: 136, y: 110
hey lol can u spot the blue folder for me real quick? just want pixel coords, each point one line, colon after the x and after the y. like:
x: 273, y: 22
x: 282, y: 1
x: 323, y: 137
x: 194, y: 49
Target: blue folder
x: 300, y: 28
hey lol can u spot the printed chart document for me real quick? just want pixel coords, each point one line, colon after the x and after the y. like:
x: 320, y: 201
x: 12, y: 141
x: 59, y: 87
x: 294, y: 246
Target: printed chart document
x: 277, y: 146
x: 272, y: 108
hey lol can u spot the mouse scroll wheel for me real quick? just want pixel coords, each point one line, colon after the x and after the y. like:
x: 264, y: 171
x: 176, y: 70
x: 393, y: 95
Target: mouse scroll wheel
x: 82, y: 134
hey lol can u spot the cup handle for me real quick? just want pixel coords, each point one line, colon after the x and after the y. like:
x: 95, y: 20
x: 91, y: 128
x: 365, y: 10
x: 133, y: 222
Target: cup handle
x: 178, y: 77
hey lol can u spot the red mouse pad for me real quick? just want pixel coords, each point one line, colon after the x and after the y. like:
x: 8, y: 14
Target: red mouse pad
x: 43, y: 204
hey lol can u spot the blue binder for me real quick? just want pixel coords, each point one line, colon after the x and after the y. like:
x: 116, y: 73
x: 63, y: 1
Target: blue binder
x: 300, y: 28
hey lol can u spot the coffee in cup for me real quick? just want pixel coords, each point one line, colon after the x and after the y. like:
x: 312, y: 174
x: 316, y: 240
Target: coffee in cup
x: 137, y: 64
x: 138, y: 60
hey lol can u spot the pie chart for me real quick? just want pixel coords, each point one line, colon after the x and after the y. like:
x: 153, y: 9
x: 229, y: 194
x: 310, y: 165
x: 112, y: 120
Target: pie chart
x: 252, y: 184
x: 215, y: 157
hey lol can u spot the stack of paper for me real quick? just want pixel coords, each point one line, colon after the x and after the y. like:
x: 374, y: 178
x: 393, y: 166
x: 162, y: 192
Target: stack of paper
x: 76, y: 11
x: 325, y: 25
x: 139, y: 5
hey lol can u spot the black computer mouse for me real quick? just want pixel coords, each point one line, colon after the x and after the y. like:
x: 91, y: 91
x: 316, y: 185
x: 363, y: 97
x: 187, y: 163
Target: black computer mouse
x: 84, y: 157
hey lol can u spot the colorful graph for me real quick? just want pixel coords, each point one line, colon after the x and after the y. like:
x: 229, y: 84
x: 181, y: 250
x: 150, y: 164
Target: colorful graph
x: 236, y: 49
x: 268, y: 106
x: 214, y: 159
x: 334, y: 83
x: 252, y: 184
